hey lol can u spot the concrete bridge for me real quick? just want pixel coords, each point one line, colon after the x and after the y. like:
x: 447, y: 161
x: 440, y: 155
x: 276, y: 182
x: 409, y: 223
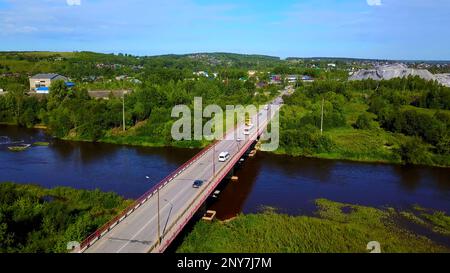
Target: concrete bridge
x: 154, y: 220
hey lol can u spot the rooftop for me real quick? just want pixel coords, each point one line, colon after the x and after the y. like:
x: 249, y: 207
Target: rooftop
x: 49, y: 76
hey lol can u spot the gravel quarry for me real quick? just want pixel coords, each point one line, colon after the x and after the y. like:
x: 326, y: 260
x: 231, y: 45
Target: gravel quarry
x: 387, y: 72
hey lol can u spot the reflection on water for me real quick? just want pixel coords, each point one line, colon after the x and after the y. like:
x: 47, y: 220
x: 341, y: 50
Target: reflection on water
x: 288, y: 183
x: 292, y: 184
x: 108, y: 167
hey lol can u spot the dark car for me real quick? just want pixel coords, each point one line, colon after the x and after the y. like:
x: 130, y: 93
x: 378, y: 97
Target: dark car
x: 197, y: 183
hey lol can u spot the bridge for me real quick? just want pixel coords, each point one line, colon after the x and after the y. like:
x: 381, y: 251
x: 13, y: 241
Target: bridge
x: 154, y: 220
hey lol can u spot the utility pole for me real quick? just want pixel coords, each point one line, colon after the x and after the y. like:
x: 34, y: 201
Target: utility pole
x: 159, y: 227
x: 214, y: 160
x: 321, y: 119
x: 123, y: 110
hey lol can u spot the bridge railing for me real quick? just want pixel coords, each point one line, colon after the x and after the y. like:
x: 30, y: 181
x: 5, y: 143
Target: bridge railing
x: 189, y: 212
x: 141, y: 200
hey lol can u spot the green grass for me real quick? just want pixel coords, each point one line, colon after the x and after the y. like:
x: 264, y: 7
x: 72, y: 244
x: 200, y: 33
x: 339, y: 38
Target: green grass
x: 338, y: 228
x: 438, y: 221
x: 144, y: 141
x: 427, y: 111
x: 41, y: 143
x: 374, y: 145
x: 352, y: 111
x: 363, y: 145
x: 17, y: 148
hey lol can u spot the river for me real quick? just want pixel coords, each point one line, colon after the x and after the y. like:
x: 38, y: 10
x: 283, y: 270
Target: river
x: 290, y: 184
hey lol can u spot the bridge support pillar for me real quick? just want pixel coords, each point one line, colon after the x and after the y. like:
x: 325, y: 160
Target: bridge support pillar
x: 209, y: 215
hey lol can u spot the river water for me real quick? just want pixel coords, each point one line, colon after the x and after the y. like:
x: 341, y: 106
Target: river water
x: 290, y: 184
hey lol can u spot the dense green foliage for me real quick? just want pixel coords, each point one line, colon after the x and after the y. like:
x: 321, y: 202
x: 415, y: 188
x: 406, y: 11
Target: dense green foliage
x: 34, y: 219
x: 339, y: 228
x: 405, y: 120
x: 164, y: 82
x: 363, y: 120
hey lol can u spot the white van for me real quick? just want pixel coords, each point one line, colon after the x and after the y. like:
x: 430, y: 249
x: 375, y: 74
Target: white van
x: 223, y: 156
x: 248, y: 129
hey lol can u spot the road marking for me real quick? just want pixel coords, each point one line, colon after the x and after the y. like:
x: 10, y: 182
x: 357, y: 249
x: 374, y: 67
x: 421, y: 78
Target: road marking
x: 198, y: 163
x: 152, y: 219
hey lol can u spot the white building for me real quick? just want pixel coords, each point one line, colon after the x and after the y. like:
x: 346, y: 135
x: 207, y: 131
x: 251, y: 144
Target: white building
x: 201, y: 73
x: 41, y: 82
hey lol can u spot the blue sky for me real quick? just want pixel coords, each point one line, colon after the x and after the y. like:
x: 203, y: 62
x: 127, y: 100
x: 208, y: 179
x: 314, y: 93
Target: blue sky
x: 393, y: 29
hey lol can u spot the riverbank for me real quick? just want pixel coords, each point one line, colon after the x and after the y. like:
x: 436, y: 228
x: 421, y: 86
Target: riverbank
x: 368, y: 146
x: 337, y: 228
x: 35, y: 219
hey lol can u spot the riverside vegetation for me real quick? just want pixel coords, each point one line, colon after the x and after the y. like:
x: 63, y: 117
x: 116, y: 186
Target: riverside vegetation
x: 396, y: 121
x: 35, y: 219
x: 337, y: 228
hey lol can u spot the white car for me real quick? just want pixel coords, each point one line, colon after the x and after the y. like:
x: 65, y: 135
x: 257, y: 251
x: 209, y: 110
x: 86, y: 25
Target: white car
x: 224, y: 156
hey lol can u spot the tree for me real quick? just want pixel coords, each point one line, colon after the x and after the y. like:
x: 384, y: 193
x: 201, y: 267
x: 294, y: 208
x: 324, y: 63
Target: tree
x: 364, y: 122
x: 16, y: 93
x: 414, y: 151
x: 57, y: 93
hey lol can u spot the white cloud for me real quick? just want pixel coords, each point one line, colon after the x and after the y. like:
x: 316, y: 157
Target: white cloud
x: 374, y: 2
x: 73, y: 2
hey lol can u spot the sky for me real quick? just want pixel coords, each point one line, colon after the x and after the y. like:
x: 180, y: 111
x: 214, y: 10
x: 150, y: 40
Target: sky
x: 380, y: 29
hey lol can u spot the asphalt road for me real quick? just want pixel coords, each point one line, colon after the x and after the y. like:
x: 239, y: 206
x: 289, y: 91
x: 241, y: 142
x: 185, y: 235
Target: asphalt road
x: 139, y: 231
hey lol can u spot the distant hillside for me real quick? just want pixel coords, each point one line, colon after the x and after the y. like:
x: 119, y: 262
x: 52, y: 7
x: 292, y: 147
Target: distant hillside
x: 221, y: 59
x: 349, y: 59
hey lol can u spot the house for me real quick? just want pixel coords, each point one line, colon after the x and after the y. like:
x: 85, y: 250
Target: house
x: 121, y: 77
x: 135, y: 81
x: 261, y: 85
x: 275, y: 79
x: 40, y: 83
x: 201, y: 74
x: 292, y: 78
x: 307, y: 78
x: 252, y: 73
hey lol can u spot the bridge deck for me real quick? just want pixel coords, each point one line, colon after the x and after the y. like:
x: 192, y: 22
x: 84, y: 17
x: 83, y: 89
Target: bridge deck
x: 137, y: 230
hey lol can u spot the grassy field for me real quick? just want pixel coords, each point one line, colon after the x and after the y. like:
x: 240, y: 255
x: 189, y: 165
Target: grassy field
x: 362, y: 145
x: 374, y: 145
x: 338, y: 228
